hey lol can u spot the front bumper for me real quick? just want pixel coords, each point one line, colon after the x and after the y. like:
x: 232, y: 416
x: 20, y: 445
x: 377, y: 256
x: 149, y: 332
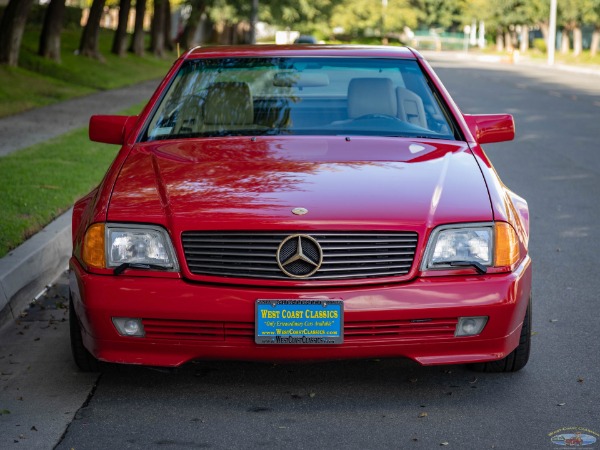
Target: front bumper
x: 190, y: 321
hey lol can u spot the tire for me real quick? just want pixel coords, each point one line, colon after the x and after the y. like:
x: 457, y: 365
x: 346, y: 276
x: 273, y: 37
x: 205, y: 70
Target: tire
x: 82, y: 357
x: 515, y: 360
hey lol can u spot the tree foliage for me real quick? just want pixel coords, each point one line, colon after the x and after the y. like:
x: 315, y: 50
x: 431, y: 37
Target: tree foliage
x: 231, y: 21
x: 445, y: 14
x: 364, y: 17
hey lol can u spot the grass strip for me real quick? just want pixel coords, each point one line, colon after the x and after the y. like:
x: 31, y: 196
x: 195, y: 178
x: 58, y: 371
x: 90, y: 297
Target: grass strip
x: 41, y: 182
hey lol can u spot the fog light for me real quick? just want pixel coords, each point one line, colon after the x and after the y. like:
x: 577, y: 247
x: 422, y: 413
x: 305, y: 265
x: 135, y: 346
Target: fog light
x: 470, y: 326
x: 129, y: 327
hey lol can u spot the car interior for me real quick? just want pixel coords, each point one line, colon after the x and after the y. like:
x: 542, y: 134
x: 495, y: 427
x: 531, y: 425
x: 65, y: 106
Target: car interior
x: 300, y: 102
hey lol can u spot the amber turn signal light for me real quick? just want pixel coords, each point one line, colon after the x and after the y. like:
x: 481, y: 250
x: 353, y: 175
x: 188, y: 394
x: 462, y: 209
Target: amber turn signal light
x: 507, y: 245
x: 93, y: 247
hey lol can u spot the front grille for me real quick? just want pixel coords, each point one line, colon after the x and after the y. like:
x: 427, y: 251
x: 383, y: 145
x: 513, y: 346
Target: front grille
x: 346, y: 255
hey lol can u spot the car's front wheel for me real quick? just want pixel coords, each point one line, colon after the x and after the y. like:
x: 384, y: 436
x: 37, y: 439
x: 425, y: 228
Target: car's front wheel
x: 518, y: 358
x: 83, y: 358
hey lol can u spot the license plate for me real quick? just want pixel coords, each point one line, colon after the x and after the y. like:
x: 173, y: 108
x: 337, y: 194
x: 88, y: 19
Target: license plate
x: 299, y: 322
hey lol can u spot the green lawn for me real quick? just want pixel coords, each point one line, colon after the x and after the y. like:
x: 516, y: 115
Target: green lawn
x: 41, y: 182
x: 38, y: 81
x: 583, y: 59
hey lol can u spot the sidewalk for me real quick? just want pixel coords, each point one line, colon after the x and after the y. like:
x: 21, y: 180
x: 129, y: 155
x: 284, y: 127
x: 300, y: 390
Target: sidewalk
x: 28, y: 269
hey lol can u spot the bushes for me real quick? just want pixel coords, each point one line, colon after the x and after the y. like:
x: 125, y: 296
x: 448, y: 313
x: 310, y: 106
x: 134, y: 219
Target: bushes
x: 540, y: 45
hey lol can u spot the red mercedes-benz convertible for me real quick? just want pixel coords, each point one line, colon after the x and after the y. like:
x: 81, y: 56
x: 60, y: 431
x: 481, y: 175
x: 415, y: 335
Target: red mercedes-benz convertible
x: 301, y: 203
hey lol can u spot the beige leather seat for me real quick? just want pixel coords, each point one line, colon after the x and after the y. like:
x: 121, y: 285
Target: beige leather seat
x: 189, y: 118
x: 410, y: 107
x: 228, y: 106
x: 371, y: 96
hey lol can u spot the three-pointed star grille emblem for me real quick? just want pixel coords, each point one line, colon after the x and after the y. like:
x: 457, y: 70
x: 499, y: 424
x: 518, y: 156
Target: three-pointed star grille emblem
x: 299, y: 256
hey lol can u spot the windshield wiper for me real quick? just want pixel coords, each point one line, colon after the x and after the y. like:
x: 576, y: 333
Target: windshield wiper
x: 480, y: 268
x: 123, y: 267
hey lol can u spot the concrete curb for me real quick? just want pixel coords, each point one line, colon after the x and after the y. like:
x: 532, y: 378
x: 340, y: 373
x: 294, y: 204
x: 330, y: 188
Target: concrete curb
x: 26, y: 271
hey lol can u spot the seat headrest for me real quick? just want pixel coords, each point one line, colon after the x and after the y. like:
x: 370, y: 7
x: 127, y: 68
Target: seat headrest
x: 371, y: 96
x: 228, y: 103
x: 410, y: 107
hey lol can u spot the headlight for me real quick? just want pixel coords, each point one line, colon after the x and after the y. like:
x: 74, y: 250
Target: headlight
x: 113, y: 245
x: 487, y: 244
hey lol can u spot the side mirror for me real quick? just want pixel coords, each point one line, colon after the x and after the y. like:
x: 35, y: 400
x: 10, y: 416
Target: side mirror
x: 111, y: 129
x: 490, y: 128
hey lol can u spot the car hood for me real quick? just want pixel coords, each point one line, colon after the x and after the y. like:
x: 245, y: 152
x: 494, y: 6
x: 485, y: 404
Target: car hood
x: 343, y: 183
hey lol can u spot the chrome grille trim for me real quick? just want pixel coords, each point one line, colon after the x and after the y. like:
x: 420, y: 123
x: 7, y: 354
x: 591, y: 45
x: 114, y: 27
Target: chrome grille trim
x: 346, y: 255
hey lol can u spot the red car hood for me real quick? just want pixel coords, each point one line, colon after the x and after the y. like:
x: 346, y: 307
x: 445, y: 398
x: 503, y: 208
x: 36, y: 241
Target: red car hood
x: 344, y: 183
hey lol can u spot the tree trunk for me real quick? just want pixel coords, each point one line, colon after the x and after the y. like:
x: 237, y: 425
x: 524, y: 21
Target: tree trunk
x: 499, y: 40
x: 595, y: 41
x: 186, y: 38
x: 544, y: 28
x: 565, y: 43
x: 157, y: 31
x: 119, y: 40
x: 524, y: 45
x: 253, y: 20
x: 577, y: 41
x: 137, y: 40
x: 508, y: 43
x: 50, y: 37
x: 88, y: 45
x: 12, y: 27
x: 168, y: 28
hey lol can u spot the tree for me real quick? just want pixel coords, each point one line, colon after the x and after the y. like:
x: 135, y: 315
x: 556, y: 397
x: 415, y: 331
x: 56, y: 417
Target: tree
x: 310, y: 17
x: 230, y: 19
x: 364, y: 17
x: 507, y: 16
x: 12, y: 27
x: 570, y: 13
x: 88, y: 46
x: 119, y: 40
x: 53, y: 23
x: 446, y: 14
x: 137, y: 40
x: 253, y: 20
x: 198, y: 7
x: 157, y: 30
x: 592, y: 16
x: 168, y: 30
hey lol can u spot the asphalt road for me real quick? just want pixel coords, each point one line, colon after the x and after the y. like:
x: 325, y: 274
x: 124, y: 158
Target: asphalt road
x: 553, y: 163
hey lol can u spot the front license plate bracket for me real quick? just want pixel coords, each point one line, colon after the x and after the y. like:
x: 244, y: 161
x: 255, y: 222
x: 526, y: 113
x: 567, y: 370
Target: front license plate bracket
x: 299, y: 322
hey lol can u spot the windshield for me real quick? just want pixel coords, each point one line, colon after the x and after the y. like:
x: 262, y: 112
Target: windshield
x: 299, y: 96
